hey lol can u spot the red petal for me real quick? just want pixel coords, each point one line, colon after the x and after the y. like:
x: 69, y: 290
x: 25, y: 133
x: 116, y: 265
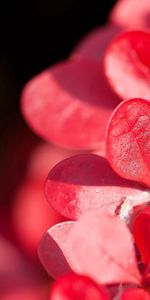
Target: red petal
x: 53, y: 250
x: 141, y: 232
x: 135, y: 294
x: 127, y: 64
x: 77, y: 287
x: 70, y: 104
x: 86, y: 181
x: 127, y: 140
x: 102, y: 248
x: 131, y: 14
x: 94, y: 44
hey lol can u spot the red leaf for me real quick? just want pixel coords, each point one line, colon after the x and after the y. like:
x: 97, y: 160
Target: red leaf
x: 127, y: 140
x: 82, y: 182
x: 127, y: 64
x: 135, y: 294
x: 94, y: 44
x: 141, y: 232
x: 131, y: 14
x: 77, y: 287
x: 70, y: 104
x: 102, y: 249
x: 53, y: 250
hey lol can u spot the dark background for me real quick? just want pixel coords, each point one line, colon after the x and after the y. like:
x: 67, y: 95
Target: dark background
x: 37, y: 33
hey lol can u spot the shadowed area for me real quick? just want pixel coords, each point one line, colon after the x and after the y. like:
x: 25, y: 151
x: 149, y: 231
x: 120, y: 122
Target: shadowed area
x: 88, y: 170
x: 84, y: 80
x: 52, y: 250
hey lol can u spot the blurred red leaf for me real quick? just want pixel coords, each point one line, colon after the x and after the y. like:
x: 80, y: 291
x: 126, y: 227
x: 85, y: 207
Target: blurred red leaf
x: 136, y: 294
x: 127, y: 64
x: 95, y: 43
x: 70, y: 104
x: 131, y: 14
x: 77, y: 287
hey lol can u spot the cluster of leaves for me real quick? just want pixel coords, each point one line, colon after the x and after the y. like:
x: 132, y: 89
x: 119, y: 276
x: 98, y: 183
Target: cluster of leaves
x: 105, y: 243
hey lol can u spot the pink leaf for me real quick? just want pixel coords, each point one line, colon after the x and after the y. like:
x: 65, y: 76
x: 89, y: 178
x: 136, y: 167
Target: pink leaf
x: 127, y: 140
x: 82, y: 182
x: 102, y: 248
